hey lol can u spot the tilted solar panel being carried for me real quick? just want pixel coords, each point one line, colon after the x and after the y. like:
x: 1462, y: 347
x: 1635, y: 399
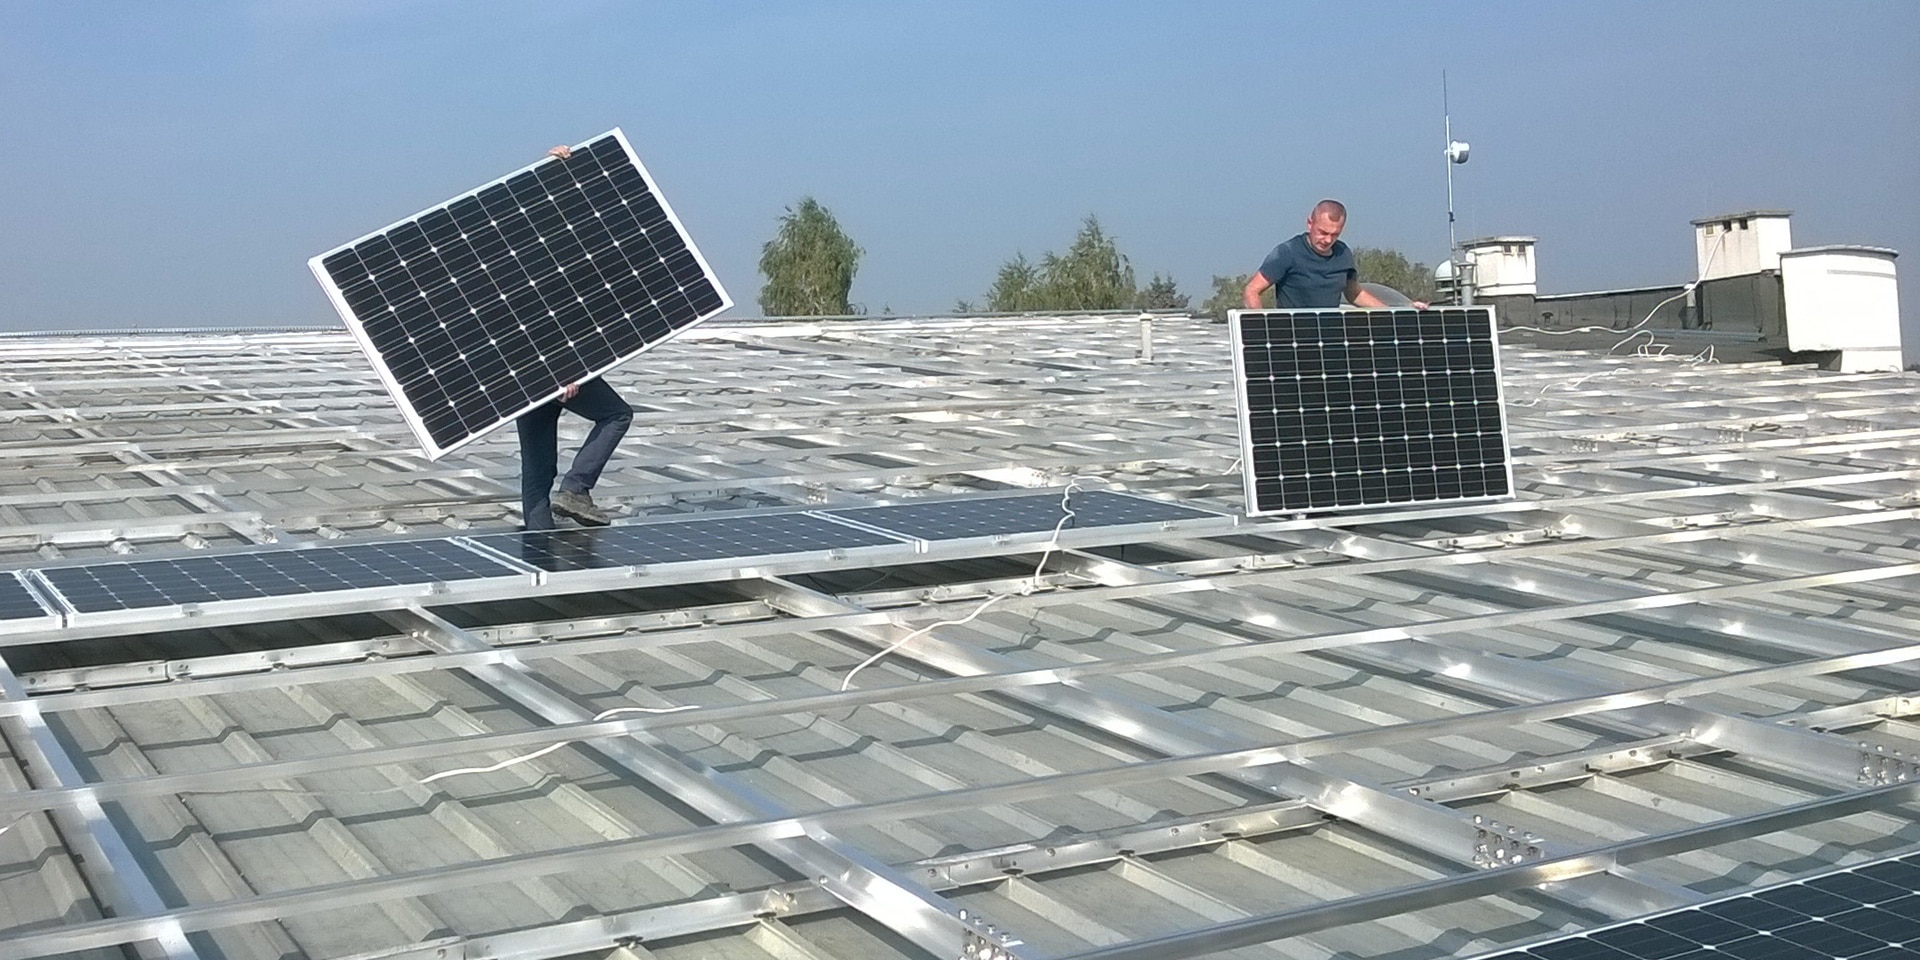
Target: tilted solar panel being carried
x: 484, y: 307
x: 1365, y: 408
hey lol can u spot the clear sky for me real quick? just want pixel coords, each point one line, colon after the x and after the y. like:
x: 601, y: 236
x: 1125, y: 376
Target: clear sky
x: 176, y: 163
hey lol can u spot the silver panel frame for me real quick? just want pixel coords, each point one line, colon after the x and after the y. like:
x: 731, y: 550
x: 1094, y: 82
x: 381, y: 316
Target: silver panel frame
x: 1236, y: 348
x: 432, y: 449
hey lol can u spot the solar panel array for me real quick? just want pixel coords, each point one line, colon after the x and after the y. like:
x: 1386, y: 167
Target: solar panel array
x: 105, y: 587
x: 16, y: 601
x: 479, y: 309
x: 168, y: 582
x: 1864, y: 912
x: 987, y: 516
x: 680, y: 541
x: 1363, y: 408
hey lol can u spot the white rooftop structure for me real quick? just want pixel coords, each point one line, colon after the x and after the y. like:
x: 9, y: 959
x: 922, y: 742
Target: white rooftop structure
x: 1502, y: 266
x: 1681, y: 663
x: 1736, y: 244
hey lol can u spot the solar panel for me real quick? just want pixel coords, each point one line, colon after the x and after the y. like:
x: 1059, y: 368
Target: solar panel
x: 482, y: 308
x: 1038, y: 513
x: 105, y: 587
x: 680, y: 541
x: 1864, y: 912
x: 1360, y: 408
x: 16, y: 601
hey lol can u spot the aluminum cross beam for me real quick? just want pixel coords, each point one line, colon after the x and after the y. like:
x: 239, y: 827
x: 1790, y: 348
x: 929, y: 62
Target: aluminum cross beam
x: 848, y: 873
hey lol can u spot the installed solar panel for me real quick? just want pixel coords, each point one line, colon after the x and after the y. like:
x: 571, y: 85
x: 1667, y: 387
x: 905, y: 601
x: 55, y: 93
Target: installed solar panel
x: 1355, y: 408
x: 104, y: 587
x: 16, y: 601
x: 680, y: 541
x: 1039, y: 513
x: 1865, y: 912
x: 484, y: 307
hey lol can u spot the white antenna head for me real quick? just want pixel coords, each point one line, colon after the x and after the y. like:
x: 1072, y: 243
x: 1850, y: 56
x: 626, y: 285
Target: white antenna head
x: 1457, y: 151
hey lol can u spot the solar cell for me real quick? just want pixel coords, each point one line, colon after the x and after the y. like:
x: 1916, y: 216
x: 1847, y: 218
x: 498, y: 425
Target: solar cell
x: 16, y: 601
x: 1038, y: 513
x: 680, y: 541
x: 1353, y: 408
x: 105, y: 587
x: 1863, y: 912
x: 482, y: 308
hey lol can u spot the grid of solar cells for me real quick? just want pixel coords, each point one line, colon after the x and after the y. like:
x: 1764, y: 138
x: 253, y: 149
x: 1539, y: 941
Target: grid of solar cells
x: 1039, y: 513
x: 482, y: 308
x: 1868, y: 912
x: 681, y: 541
x: 105, y: 587
x: 1349, y: 408
x: 16, y: 601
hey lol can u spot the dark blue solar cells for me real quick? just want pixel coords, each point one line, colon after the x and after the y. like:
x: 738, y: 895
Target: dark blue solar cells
x: 1036, y: 513
x: 1351, y: 408
x: 16, y: 601
x: 103, y: 587
x: 720, y: 537
x: 1852, y: 913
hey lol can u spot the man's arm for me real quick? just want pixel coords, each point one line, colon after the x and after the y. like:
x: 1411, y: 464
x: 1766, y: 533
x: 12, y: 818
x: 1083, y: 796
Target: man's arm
x: 1360, y: 296
x: 1250, y: 297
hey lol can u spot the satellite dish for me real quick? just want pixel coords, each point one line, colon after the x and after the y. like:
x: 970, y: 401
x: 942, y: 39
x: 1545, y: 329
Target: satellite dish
x: 1457, y: 151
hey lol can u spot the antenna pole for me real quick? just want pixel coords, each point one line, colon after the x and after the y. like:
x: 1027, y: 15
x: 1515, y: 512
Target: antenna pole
x: 1446, y: 113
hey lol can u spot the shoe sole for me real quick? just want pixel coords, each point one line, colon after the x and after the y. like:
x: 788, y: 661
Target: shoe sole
x: 582, y: 518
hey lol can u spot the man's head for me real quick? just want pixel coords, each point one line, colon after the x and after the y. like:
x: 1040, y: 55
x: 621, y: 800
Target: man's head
x: 1324, y: 224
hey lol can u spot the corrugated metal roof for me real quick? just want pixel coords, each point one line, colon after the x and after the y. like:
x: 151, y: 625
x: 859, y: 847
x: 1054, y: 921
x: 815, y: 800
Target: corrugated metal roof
x: 1681, y: 663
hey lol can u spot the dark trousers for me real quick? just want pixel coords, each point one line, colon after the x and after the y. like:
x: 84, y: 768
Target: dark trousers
x: 540, y: 448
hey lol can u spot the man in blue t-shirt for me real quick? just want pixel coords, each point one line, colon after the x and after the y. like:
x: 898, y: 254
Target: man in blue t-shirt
x: 1314, y: 269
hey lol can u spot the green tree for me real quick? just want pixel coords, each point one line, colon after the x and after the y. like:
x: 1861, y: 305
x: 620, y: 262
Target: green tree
x: 809, y: 264
x: 1016, y: 287
x: 1161, y: 293
x: 1092, y: 275
x: 1392, y: 268
x: 1226, y: 295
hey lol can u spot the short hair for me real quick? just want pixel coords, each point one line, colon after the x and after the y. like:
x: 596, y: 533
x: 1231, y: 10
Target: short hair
x: 1331, y: 208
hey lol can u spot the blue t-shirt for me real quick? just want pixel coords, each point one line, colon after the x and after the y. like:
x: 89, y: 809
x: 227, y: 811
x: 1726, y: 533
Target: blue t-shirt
x: 1302, y: 278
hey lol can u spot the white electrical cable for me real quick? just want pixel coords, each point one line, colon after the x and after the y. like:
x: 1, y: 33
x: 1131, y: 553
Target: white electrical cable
x: 1688, y: 288
x: 543, y: 751
x: 442, y: 775
x: 1032, y: 584
x: 1649, y: 350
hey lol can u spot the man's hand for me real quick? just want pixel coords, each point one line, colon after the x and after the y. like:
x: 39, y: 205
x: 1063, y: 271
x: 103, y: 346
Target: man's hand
x: 571, y: 390
x: 1419, y: 305
x: 562, y: 151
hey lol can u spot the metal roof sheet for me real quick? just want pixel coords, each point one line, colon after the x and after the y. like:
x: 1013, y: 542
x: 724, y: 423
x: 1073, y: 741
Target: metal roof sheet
x: 1680, y: 663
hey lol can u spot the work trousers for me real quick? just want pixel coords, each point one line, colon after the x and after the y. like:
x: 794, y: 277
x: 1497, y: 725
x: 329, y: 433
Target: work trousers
x: 540, y: 448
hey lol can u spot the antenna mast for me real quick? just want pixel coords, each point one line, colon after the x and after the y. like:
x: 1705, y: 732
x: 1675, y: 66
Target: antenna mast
x: 1456, y: 154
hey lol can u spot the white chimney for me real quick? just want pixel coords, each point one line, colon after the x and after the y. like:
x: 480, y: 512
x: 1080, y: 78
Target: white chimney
x: 1737, y: 244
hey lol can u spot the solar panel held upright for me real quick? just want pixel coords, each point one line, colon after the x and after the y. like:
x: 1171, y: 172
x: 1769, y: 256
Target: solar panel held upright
x: 481, y: 308
x: 1363, y: 408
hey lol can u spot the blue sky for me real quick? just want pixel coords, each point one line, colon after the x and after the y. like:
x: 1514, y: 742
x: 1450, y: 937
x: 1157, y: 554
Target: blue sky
x: 175, y: 164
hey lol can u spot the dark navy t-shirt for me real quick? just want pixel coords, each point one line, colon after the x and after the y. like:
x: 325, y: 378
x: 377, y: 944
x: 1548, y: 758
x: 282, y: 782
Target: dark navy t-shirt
x: 1302, y: 278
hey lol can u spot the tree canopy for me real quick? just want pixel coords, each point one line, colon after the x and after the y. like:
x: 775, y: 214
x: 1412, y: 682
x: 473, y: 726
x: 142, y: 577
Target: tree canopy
x: 1226, y: 296
x: 809, y: 264
x: 1091, y: 275
x: 1392, y: 268
x: 1161, y: 293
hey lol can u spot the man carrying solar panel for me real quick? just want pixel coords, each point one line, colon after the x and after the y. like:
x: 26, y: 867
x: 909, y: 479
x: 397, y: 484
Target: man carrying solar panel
x: 1314, y: 269
x: 539, y: 430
